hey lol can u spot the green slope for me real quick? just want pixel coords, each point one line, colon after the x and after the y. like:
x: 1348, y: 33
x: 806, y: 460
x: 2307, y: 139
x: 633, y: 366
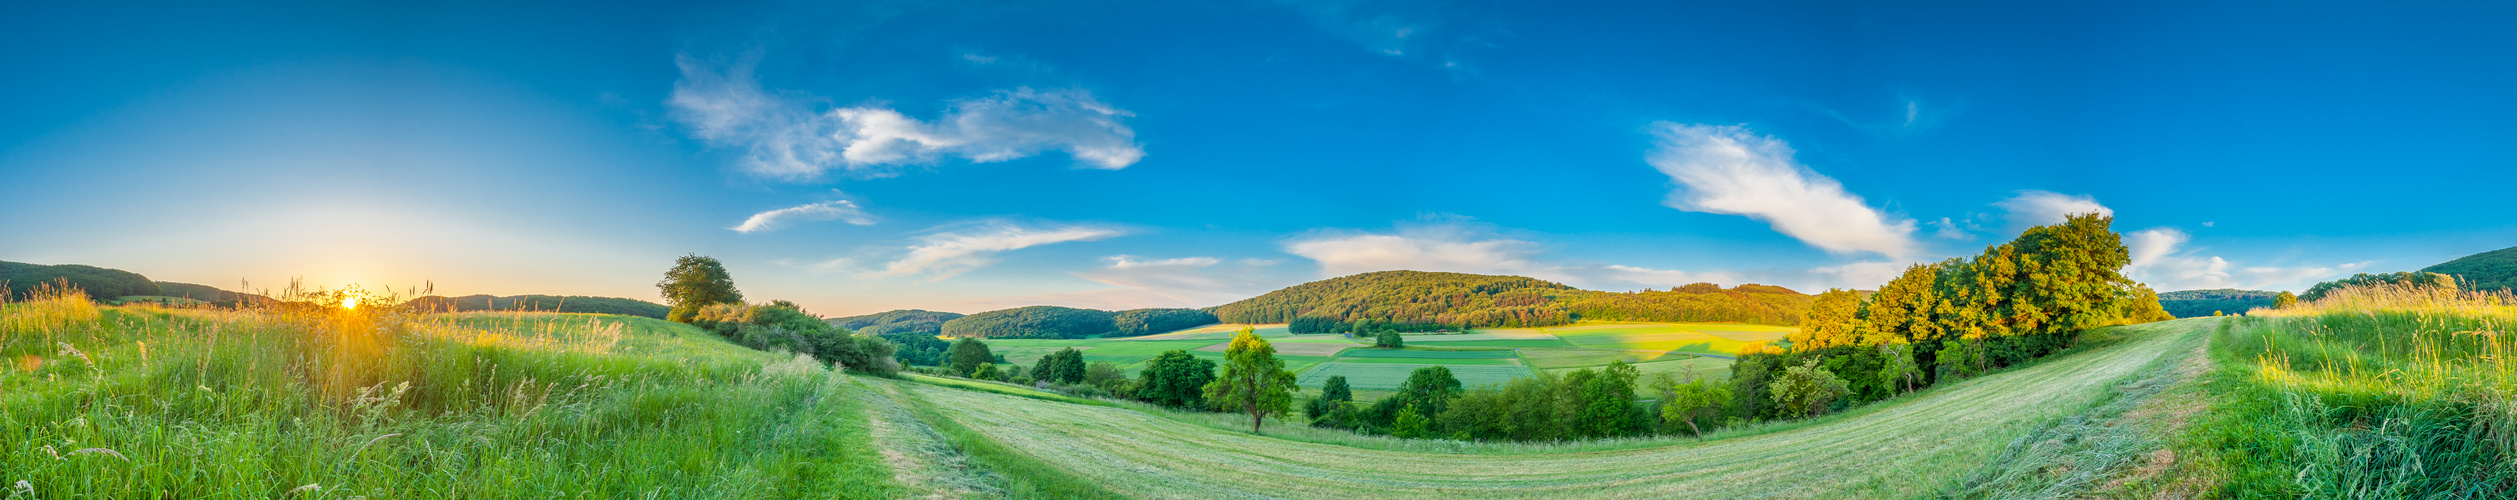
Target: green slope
x: 2492, y: 270
x: 1909, y: 447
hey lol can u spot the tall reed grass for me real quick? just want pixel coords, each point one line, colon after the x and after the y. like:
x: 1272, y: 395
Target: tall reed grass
x: 2383, y: 391
x: 307, y: 399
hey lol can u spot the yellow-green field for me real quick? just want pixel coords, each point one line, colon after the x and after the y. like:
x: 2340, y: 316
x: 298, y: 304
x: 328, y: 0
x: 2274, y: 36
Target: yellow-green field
x: 1902, y: 448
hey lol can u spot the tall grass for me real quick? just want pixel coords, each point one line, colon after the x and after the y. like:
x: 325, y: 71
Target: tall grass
x: 2374, y: 392
x: 306, y: 399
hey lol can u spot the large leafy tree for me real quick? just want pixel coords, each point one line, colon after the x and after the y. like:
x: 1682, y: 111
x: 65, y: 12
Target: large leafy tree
x: 1833, y: 321
x: 1253, y: 382
x: 1175, y: 379
x: 696, y: 282
x: 1331, y: 393
x: 1430, y: 389
x: 1608, y: 400
x: 967, y: 354
x: 1901, y: 311
x: 2069, y: 278
x: 1390, y: 339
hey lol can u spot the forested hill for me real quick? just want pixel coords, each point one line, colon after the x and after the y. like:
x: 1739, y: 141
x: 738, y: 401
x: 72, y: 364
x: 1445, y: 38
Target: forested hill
x: 100, y: 283
x: 902, y: 321
x: 1407, y: 300
x: 2199, y: 303
x: 1422, y: 301
x: 547, y: 303
x: 2492, y: 270
x: 1053, y: 322
x: 210, y: 294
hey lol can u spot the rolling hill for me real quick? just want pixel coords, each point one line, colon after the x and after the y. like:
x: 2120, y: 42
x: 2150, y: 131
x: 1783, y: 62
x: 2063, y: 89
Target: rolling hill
x: 2492, y: 270
x: 1425, y: 301
x: 543, y: 303
x: 2198, y: 303
x: 100, y: 283
x: 903, y: 321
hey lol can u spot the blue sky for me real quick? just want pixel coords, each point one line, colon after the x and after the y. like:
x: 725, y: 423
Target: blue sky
x: 858, y: 157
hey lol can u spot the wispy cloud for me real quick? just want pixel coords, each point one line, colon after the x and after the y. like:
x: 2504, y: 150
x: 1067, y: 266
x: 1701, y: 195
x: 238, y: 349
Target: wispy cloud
x: 1726, y: 169
x: 1422, y: 30
x: 1175, y: 282
x: 2161, y: 259
x: 784, y: 137
x: 828, y: 210
x: 2033, y: 208
x: 947, y: 253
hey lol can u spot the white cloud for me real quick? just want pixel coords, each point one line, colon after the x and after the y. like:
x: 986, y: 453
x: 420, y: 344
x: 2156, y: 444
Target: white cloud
x: 828, y: 210
x: 786, y: 139
x: 2033, y: 208
x: 1448, y: 246
x: 1730, y: 170
x: 2161, y: 260
x: 1176, y: 282
x: 947, y: 253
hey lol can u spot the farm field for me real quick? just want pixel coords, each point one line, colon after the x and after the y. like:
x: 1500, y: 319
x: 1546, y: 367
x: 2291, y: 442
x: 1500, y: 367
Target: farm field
x: 1701, y: 367
x: 1218, y: 332
x: 1904, y: 448
x: 1388, y: 376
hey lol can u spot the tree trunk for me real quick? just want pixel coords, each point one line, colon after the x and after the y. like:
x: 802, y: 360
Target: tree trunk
x: 1699, y: 431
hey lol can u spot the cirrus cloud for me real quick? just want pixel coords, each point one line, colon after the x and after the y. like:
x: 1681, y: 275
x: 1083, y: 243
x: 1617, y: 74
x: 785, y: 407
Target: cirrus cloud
x: 828, y: 210
x: 785, y: 138
x: 946, y: 253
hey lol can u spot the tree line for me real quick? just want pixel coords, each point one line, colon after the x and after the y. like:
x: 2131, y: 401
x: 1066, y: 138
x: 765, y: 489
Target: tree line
x: 1053, y: 322
x: 702, y: 294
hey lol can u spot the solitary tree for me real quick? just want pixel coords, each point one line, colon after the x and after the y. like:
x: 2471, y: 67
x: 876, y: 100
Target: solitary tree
x: 1390, y: 339
x: 2285, y: 300
x: 1253, y: 382
x: 967, y: 354
x: 1065, y: 367
x: 696, y: 282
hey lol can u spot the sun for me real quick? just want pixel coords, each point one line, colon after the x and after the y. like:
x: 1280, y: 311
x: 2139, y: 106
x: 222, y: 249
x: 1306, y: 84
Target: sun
x: 349, y: 301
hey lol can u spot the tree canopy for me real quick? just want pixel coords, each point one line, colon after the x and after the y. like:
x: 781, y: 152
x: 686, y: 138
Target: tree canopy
x: 1253, y: 381
x: 2200, y: 303
x: 696, y: 282
x: 1175, y: 379
x: 1134, y: 322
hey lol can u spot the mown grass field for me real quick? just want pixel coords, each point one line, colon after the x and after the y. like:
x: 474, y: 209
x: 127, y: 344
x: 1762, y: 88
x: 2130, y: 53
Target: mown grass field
x: 1908, y: 447
x: 133, y: 402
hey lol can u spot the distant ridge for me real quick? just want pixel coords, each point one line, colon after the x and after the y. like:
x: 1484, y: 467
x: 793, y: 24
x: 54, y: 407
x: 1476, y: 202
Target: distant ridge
x: 2492, y: 270
x: 547, y: 303
x: 1421, y: 301
x: 2199, y: 303
x: 100, y: 283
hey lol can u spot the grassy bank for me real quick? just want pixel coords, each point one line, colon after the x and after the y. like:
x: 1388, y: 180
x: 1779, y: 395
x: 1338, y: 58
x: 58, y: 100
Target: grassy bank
x: 2381, y: 392
x: 317, y: 402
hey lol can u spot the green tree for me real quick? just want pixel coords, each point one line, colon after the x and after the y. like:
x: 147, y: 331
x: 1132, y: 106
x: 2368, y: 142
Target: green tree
x: 2285, y: 300
x: 1066, y: 366
x: 696, y: 282
x: 1175, y: 379
x: 1608, y: 401
x: 987, y: 372
x: 1959, y: 358
x: 1390, y: 339
x: 1253, y: 381
x: 1410, y: 423
x: 1105, y: 375
x: 1331, y: 392
x: 1807, y: 390
x: 1898, y: 365
x: 1430, y: 387
x: 1693, y: 403
x: 967, y: 354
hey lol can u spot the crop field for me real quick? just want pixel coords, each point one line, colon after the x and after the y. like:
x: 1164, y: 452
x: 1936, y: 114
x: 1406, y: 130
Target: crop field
x: 1416, y: 354
x: 1904, y: 448
x: 1223, y: 331
x: 1386, y: 376
x: 1124, y: 352
x: 1291, y: 348
x: 1678, y: 364
x: 1576, y: 358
